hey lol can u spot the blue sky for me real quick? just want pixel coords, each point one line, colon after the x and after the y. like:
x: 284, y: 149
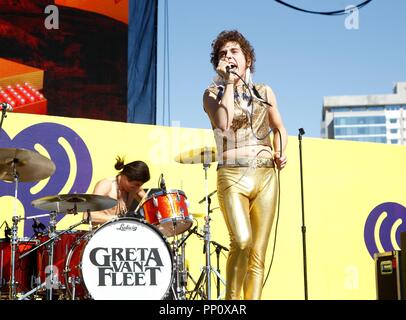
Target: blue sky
x: 303, y: 57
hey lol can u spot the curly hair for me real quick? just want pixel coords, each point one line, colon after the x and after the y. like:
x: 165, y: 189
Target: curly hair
x: 232, y: 36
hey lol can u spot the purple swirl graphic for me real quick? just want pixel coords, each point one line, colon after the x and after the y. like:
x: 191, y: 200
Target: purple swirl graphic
x: 394, y: 211
x: 47, y: 135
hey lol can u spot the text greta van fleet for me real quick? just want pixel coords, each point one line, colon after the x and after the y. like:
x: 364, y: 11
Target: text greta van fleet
x: 126, y: 267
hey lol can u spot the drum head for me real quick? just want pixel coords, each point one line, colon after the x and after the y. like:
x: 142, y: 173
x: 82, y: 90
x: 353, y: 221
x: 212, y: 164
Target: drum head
x: 127, y: 259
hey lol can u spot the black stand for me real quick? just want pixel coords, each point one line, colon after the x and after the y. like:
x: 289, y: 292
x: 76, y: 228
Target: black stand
x: 301, y: 133
x: 219, y: 247
x: 198, y: 290
x: 3, y: 115
x: 205, y: 276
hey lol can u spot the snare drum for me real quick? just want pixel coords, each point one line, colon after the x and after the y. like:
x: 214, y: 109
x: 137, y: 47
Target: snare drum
x: 25, y: 268
x: 168, y: 211
x: 62, y: 246
x: 125, y: 259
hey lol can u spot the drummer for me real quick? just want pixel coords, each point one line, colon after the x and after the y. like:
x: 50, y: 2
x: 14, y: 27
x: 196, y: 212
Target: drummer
x: 125, y: 187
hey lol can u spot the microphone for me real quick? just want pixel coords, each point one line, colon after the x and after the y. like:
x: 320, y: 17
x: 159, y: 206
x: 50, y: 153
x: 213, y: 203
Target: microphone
x: 6, y: 106
x: 208, y: 196
x: 162, y: 184
x: 219, y: 246
x: 7, y: 231
x: 37, y: 225
x: 228, y: 68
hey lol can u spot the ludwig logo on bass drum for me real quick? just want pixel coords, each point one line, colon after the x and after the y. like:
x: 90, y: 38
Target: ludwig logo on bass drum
x: 127, y: 227
x: 126, y: 266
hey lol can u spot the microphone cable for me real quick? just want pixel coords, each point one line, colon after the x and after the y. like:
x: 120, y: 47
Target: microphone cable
x: 277, y: 214
x: 252, y: 106
x: 160, y: 180
x: 278, y: 170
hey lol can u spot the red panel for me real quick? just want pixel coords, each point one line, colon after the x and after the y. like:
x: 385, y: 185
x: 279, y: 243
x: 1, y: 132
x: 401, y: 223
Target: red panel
x: 24, y: 98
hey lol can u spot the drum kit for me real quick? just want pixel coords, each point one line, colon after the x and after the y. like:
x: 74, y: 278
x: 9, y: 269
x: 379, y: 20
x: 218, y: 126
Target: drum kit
x: 125, y: 258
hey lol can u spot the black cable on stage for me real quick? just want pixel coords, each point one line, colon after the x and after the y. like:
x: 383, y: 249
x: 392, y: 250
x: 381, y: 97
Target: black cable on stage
x: 326, y: 13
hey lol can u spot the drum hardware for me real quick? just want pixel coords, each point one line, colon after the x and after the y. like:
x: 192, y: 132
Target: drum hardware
x: 73, y: 281
x: 68, y: 204
x: 180, y: 262
x: 51, y: 279
x: 206, y: 156
x: 198, y: 289
x: 21, y: 165
x: 179, y: 286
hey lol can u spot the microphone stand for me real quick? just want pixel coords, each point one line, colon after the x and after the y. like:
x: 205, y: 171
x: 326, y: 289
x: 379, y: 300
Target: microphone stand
x: 3, y: 115
x: 301, y: 133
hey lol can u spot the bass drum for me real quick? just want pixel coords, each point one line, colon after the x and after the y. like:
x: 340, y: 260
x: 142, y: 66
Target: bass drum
x: 124, y: 259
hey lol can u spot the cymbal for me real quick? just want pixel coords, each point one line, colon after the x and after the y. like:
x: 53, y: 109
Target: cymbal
x: 201, y: 155
x: 30, y: 165
x: 74, y: 202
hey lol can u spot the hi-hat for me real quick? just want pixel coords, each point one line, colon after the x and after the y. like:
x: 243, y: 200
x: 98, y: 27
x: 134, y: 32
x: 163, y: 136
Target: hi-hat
x: 201, y: 155
x: 29, y: 165
x: 72, y: 203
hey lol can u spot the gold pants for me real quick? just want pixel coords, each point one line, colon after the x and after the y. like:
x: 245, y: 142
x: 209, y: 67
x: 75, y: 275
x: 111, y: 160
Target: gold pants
x: 247, y: 198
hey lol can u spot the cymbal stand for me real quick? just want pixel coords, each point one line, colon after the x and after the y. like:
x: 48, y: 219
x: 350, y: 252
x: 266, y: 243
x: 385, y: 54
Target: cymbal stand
x: 202, y: 277
x: 14, y: 235
x: 205, y: 276
x: 206, y: 248
x: 51, y: 280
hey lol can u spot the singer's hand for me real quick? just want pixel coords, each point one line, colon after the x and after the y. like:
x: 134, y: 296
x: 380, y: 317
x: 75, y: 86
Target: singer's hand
x: 280, y: 161
x: 222, y: 70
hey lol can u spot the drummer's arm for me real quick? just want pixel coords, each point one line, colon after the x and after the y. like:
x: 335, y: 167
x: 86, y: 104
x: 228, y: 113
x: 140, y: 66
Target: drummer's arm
x: 102, y: 188
x: 140, y: 194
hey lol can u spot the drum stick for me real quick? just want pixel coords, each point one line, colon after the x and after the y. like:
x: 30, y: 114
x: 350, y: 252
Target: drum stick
x: 142, y: 200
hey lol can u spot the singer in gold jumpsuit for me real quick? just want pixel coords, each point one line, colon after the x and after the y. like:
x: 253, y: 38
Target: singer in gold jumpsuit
x: 243, y: 115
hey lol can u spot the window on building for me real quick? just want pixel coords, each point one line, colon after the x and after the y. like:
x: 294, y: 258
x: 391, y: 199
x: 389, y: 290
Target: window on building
x: 364, y: 139
x: 394, y: 141
x: 393, y: 120
x: 376, y: 108
x: 355, y: 131
x: 340, y: 109
x: 342, y: 121
x: 393, y: 130
x: 364, y: 108
x: 392, y: 108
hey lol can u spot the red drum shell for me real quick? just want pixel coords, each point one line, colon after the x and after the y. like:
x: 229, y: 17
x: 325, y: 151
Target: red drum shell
x: 168, y: 211
x: 25, y: 268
